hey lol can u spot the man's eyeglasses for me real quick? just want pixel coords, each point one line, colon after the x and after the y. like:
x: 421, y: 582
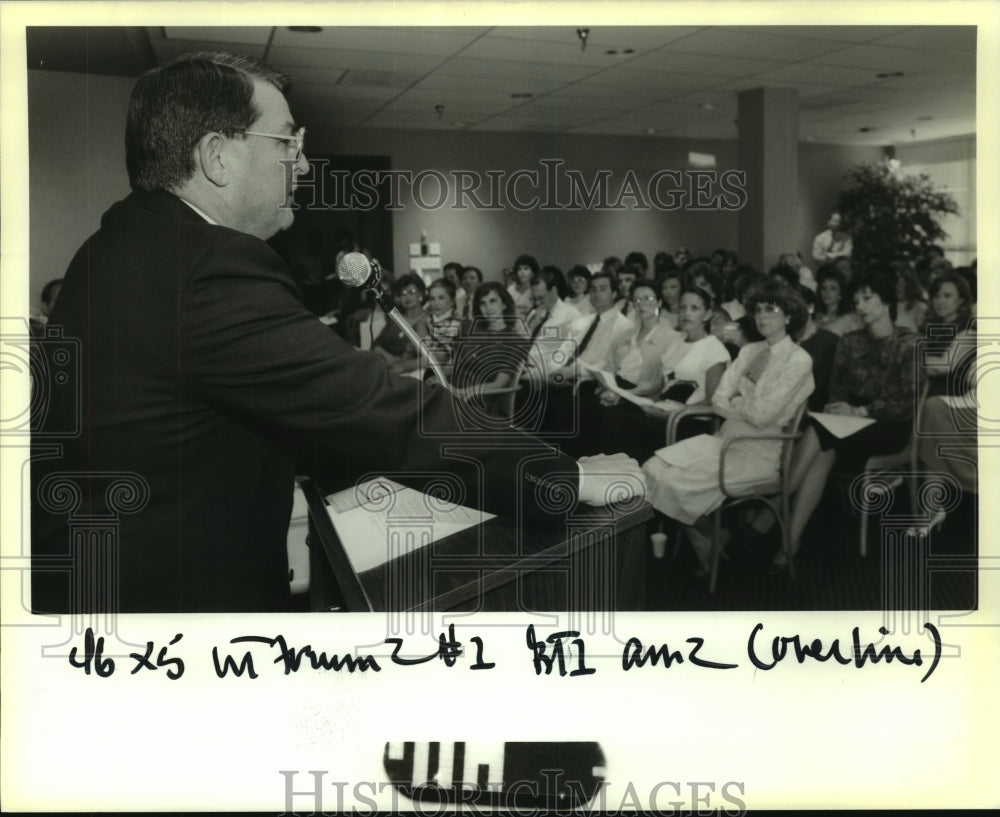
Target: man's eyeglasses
x: 294, y: 141
x: 644, y: 299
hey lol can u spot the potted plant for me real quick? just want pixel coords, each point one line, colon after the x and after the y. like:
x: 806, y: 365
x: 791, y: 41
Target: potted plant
x: 891, y: 215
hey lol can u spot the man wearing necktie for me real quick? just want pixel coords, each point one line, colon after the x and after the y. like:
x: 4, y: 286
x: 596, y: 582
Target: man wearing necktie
x: 591, y: 340
x: 550, y: 320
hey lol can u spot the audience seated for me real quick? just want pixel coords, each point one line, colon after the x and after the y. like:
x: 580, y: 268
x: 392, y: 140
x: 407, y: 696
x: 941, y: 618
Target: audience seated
x: 704, y: 276
x: 635, y: 364
x: 757, y: 395
x: 442, y: 327
x: 670, y: 285
x: 669, y: 340
x: 627, y: 276
x: 592, y: 337
x: 951, y: 302
x: 689, y: 370
x: 391, y: 343
x: 872, y: 377
x: 452, y: 271
x: 833, y: 312
x: 803, y: 275
x: 579, y: 284
x: 548, y: 323
x: 639, y: 261
x: 525, y: 268
x: 490, y: 351
x: 821, y: 344
x: 911, y: 300
x: 472, y: 277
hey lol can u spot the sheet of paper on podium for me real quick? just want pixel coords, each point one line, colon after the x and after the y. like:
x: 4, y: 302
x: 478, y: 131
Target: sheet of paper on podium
x: 380, y: 519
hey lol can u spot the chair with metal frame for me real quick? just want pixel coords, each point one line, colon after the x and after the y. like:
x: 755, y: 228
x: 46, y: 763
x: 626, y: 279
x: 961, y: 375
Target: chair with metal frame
x: 881, y: 464
x: 775, y: 493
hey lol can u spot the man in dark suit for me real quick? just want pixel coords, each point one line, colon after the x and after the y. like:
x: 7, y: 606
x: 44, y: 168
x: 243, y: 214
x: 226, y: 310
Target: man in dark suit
x: 205, y: 385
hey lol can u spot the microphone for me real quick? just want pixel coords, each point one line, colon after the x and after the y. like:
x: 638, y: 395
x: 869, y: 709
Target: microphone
x: 355, y: 270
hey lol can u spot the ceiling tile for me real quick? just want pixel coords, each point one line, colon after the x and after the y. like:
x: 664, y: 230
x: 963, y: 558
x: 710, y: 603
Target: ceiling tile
x: 754, y: 45
x: 287, y: 59
x: 712, y: 65
x: 439, y: 42
x: 395, y: 76
x: 889, y: 58
x: 936, y: 38
x: 835, y: 33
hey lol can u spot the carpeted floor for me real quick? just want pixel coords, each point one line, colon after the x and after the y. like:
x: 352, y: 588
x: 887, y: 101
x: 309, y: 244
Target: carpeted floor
x: 897, y: 573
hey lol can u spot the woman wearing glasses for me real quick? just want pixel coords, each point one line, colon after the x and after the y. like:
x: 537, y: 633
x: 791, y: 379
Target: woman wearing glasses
x: 635, y: 364
x: 757, y: 395
x: 392, y: 344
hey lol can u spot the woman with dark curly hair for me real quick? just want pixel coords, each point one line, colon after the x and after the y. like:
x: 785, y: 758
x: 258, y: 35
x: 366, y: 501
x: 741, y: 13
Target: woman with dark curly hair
x: 873, y: 376
x: 951, y: 301
x: 392, y: 344
x: 525, y: 268
x: 491, y: 348
x: 758, y: 394
x: 833, y: 310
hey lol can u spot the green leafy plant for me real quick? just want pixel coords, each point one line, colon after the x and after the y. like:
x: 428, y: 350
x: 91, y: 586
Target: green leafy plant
x: 892, y: 215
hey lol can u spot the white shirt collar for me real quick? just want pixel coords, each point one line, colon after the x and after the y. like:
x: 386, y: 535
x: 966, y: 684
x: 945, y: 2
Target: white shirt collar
x: 201, y: 213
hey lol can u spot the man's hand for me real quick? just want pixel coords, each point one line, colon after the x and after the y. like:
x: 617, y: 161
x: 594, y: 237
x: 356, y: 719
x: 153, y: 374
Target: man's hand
x: 610, y: 478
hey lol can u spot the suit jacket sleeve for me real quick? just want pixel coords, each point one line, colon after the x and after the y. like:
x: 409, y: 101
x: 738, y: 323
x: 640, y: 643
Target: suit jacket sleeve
x: 250, y: 348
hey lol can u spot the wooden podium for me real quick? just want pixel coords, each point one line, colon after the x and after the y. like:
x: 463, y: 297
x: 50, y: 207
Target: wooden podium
x: 594, y: 561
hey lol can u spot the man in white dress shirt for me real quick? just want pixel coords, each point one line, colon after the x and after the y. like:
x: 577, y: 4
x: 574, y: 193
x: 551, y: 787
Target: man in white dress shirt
x: 833, y: 242
x: 549, y: 320
x: 592, y: 337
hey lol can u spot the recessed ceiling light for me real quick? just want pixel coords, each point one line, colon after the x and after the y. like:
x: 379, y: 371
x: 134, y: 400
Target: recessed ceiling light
x: 889, y: 74
x: 306, y: 29
x: 611, y: 51
x: 866, y: 129
x: 924, y: 118
x: 707, y: 106
x: 650, y: 131
x: 521, y: 95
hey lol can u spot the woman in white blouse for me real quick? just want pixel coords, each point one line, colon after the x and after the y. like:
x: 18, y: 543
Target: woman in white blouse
x: 758, y: 394
x: 687, y: 373
x: 635, y: 363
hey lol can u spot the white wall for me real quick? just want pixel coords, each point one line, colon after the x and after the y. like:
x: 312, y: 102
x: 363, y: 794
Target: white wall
x: 951, y: 165
x: 76, y: 155
x: 492, y: 239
